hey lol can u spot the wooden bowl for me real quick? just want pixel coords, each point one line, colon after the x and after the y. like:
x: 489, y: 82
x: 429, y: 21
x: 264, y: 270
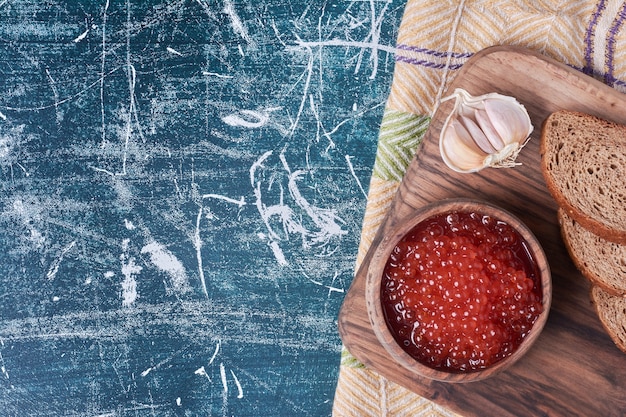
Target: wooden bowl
x: 381, y: 256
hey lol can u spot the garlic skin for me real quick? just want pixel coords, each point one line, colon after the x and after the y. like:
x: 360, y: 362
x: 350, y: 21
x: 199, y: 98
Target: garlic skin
x: 483, y: 131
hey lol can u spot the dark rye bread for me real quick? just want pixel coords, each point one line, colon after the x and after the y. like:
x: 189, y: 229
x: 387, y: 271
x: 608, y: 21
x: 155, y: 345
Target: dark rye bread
x: 602, y: 262
x: 611, y: 310
x: 583, y: 160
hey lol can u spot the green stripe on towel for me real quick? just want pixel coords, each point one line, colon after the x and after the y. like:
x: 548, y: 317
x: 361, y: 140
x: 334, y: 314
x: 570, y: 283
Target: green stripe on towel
x: 400, y: 135
x: 348, y: 360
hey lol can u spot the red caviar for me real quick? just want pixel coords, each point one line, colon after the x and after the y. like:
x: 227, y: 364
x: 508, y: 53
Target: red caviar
x: 460, y: 291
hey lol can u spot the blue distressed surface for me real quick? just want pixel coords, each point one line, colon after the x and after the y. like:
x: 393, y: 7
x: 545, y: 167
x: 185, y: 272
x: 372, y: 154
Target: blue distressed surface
x: 182, y: 189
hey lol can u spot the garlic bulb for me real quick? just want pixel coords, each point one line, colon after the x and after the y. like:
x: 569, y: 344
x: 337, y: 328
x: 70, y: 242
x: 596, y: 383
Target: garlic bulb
x: 483, y: 131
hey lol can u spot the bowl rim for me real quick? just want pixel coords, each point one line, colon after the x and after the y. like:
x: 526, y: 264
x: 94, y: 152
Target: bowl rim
x: 383, y: 251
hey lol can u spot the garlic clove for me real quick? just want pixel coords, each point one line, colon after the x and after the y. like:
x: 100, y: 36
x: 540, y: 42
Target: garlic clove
x: 476, y: 134
x: 487, y: 130
x: 459, y: 149
x: 464, y: 136
x: 511, y: 123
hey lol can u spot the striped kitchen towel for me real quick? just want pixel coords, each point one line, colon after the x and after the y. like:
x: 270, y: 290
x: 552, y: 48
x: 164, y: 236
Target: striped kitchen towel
x: 435, y: 39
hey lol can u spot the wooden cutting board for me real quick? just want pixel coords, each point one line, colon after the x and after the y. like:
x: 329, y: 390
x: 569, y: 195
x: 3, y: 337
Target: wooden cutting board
x: 573, y: 369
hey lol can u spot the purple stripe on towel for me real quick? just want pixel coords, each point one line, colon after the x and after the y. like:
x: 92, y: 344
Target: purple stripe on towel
x: 615, y: 81
x: 619, y: 83
x: 618, y: 23
x: 590, y: 35
x: 428, y: 64
x: 610, y: 79
x: 438, y: 54
x: 616, y: 27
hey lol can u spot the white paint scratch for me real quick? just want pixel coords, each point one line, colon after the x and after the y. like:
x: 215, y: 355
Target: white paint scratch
x: 129, y: 270
x: 3, y: 369
x: 238, y: 384
x: 320, y: 125
x: 55, y: 94
x: 296, y: 406
x: 206, y: 8
x: 370, y: 42
x: 330, y: 288
x: 9, y: 140
x: 374, y: 35
x: 102, y: 68
x: 325, y: 225
x: 132, y: 79
x: 164, y: 361
x: 265, y: 212
x: 354, y: 175
x: 173, y: 51
x: 198, y: 246
x: 132, y: 112
x: 20, y: 166
x: 201, y: 371
x: 236, y: 22
x: 324, y: 219
x: 373, y: 46
x: 129, y: 285
x: 103, y: 170
x: 224, y: 390
x: 29, y: 214
x: 241, y: 202
x: 81, y: 36
x: 223, y: 377
x: 197, y: 239
x: 305, y: 90
x: 214, y: 74
x: 166, y: 261
x: 278, y: 253
x: 347, y: 44
x: 54, y: 267
x: 67, y: 99
x: 277, y: 34
x: 217, y: 349
x: 132, y: 120
x: 254, y: 119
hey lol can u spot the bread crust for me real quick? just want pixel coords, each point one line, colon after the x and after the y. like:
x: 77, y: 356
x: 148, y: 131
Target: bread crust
x: 583, y: 264
x: 593, y: 242
x: 595, y: 293
x: 590, y: 223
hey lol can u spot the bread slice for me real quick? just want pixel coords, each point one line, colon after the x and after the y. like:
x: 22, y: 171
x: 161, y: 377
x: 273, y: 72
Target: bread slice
x: 602, y: 262
x: 583, y: 160
x: 611, y: 310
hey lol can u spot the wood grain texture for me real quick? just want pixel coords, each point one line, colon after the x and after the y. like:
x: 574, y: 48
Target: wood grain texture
x: 573, y: 369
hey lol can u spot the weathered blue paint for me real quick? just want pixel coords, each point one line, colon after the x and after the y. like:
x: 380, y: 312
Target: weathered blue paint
x: 182, y: 187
